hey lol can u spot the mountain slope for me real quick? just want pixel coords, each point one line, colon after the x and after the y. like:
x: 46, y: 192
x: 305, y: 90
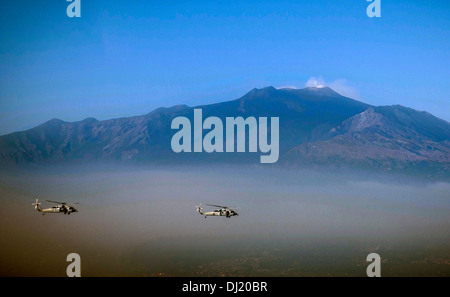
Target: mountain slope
x: 317, y: 127
x: 389, y: 137
x: 306, y: 115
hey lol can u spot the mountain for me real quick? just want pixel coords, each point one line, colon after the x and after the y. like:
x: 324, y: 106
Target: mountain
x: 385, y: 137
x: 317, y: 127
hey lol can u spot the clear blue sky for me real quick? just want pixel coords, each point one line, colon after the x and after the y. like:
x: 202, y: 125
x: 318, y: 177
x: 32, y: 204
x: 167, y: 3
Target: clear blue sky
x: 124, y: 58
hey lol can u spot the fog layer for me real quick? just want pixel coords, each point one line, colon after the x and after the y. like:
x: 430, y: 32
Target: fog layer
x: 134, y: 222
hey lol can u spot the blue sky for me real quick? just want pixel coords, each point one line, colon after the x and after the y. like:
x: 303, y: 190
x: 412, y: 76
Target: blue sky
x: 124, y: 58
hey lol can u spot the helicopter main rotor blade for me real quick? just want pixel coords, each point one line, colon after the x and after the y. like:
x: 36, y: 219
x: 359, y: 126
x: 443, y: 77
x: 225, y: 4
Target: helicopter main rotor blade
x: 221, y: 206
x: 59, y: 202
x: 56, y: 202
x: 217, y: 205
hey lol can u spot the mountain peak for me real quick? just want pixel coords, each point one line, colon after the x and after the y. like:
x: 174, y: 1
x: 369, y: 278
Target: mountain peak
x: 321, y: 91
x: 168, y: 110
x: 268, y: 89
x: 258, y: 93
x: 53, y: 122
x: 89, y: 120
x: 313, y: 91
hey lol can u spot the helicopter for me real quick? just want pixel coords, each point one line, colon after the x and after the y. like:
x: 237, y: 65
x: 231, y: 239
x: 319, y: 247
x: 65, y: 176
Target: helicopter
x: 63, y: 207
x: 222, y: 211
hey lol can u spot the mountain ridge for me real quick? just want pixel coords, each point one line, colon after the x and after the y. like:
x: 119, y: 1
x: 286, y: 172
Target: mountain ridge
x: 317, y: 126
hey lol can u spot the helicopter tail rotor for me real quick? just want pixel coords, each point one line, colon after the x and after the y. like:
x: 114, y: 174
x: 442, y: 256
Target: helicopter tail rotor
x: 199, y: 209
x: 36, y: 205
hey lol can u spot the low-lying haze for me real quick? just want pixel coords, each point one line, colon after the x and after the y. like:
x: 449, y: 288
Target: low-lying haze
x: 136, y: 222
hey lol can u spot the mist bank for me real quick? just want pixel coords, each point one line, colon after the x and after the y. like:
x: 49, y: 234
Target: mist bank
x: 307, y: 172
x: 140, y: 221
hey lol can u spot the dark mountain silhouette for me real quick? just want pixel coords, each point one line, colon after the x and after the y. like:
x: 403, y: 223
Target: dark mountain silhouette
x: 385, y: 137
x: 317, y: 127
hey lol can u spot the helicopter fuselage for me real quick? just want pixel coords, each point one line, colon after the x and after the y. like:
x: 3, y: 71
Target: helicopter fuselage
x: 53, y: 209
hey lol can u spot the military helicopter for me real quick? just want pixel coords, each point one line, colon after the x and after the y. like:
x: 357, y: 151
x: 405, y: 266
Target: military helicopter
x: 63, y: 207
x: 222, y: 211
